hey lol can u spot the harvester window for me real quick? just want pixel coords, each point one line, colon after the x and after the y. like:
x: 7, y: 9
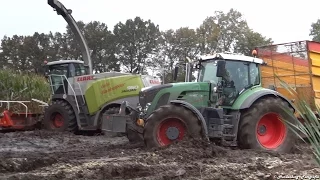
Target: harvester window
x: 79, y: 70
x: 59, y: 69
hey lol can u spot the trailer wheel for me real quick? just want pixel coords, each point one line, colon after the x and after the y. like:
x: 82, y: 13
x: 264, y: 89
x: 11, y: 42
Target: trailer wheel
x: 132, y: 136
x: 261, y: 126
x: 59, y: 116
x: 170, y: 123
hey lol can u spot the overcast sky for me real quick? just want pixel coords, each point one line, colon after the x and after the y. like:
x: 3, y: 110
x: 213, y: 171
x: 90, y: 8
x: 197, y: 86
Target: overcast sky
x: 282, y: 20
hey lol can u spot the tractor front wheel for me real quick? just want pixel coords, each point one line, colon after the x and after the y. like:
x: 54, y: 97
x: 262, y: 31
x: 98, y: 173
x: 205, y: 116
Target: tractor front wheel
x: 170, y: 123
x: 262, y: 126
x: 59, y: 116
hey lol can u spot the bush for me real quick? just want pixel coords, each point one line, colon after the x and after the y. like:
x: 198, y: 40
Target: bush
x: 23, y: 87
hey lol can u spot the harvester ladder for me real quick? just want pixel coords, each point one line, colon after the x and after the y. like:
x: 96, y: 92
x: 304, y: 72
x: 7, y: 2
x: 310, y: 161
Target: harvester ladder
x: 64, y: 89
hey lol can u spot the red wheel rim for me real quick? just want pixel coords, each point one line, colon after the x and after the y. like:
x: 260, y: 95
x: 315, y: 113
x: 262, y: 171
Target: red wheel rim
x: 169, y: 130
x: 271, y: 131
x: 58, y: 120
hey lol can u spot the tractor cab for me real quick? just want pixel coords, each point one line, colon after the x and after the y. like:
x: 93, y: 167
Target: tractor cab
x: 58, y: 73
x: 228, y: 75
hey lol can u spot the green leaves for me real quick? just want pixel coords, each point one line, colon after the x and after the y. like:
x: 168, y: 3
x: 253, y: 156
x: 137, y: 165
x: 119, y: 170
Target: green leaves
x: 315, y: 31
x: 137, y: 41
x: 22, y: 87
x: 310, y: 127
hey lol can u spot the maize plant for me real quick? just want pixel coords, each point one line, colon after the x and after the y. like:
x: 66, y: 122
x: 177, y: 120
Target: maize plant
x: 23, y: 87
x: 310, y: 126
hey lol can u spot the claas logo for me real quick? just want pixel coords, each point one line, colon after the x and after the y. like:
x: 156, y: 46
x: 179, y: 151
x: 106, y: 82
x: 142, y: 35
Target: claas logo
x: 85, y: 78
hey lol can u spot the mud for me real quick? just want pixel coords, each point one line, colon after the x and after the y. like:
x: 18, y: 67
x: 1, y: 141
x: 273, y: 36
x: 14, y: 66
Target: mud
x: 46, y: 155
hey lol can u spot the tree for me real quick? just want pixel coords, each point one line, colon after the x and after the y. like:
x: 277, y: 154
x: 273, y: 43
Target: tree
x: 221, y: 32
x: 21, y: 53
x: 249, y: 41
x: 136, y: 43
x: 100, y: 40
x: 208, y: 35
x: 315, y: 31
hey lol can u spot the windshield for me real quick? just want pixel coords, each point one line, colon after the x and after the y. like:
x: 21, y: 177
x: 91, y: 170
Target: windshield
x: 59, y: 69
x: 208, y: 71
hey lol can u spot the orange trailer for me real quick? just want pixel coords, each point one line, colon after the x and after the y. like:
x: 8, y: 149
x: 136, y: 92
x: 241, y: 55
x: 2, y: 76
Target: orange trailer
x: 296, y: 63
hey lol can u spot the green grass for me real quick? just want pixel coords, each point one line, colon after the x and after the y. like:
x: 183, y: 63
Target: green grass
x: 23, y: 87
x: 311, y: 125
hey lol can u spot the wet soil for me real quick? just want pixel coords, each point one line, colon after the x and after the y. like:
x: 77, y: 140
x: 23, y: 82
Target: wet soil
x: 46, y: 155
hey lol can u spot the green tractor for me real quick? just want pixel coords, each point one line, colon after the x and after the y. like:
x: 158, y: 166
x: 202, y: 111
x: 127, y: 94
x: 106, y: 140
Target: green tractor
x: 79, y: 97
x: 227, y: 105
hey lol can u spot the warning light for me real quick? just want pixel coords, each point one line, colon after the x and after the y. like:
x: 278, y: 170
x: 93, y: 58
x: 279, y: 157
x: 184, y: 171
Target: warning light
x: 140, y: 122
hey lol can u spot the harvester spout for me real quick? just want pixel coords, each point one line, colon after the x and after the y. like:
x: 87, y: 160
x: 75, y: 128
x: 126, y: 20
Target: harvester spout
x: 66, y: 14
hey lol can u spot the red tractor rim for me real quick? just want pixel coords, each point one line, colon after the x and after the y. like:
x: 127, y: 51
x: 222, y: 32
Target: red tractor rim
x: 169, y: 130
x: 271, y: 131
x: 58, y: 120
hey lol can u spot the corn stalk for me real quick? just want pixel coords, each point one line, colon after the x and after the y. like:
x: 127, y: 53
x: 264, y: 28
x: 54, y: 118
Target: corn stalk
x: 310, y: 127
x: 23, y: 87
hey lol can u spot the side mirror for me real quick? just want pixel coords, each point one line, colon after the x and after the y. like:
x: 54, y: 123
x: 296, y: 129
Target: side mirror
x: 221, y: 70
x: 175, y: 73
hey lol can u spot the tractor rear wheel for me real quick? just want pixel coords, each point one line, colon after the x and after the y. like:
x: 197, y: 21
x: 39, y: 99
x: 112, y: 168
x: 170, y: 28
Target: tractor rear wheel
x: 59, y: 116
x: 170, y: 123
x: 261, y: 126
x: 132, y: 136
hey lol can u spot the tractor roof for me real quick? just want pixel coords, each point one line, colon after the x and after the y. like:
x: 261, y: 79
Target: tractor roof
x: 64, y: 62
x: 235, y: 57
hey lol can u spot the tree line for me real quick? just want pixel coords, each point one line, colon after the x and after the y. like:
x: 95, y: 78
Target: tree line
x: 134, y: 44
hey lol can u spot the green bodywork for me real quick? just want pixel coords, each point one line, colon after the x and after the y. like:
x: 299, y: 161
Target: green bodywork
x: 100, y: 92
x: 198, y: 94
x: 243, y: 96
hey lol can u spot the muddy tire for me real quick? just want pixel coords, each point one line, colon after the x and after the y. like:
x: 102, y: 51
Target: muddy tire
x: 170, y: 123
x: 132, y: 136
x: 59, y: 116
x: 260, y: 127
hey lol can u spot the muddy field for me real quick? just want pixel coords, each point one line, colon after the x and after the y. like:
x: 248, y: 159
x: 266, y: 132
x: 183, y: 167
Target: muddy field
x: 45, y: 155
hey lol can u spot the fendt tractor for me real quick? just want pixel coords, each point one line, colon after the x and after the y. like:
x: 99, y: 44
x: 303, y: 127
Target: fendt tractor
x: 227, y: 105
x: 79, y: 97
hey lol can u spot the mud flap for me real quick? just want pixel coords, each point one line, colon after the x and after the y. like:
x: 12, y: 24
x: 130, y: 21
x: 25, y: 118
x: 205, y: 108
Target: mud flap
x: 115, y: 123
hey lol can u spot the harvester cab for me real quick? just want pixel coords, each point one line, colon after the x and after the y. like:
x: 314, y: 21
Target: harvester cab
x: 227, y: 105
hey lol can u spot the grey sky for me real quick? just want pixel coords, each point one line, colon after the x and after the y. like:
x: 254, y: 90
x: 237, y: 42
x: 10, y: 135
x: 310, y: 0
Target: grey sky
x: 282, y: 20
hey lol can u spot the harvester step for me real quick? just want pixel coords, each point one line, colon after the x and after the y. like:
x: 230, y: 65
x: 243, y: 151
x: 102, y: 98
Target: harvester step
x: 228, y: 126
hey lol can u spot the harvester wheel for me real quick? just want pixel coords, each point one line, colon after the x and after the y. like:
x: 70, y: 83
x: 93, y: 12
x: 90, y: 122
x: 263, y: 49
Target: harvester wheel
x: 170, y: 123
x: 132, y: 136
x: 59, y: 116
x: 261, y: 126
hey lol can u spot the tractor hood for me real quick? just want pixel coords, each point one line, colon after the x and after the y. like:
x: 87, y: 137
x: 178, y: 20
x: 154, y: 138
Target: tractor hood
x: 163, y: 94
